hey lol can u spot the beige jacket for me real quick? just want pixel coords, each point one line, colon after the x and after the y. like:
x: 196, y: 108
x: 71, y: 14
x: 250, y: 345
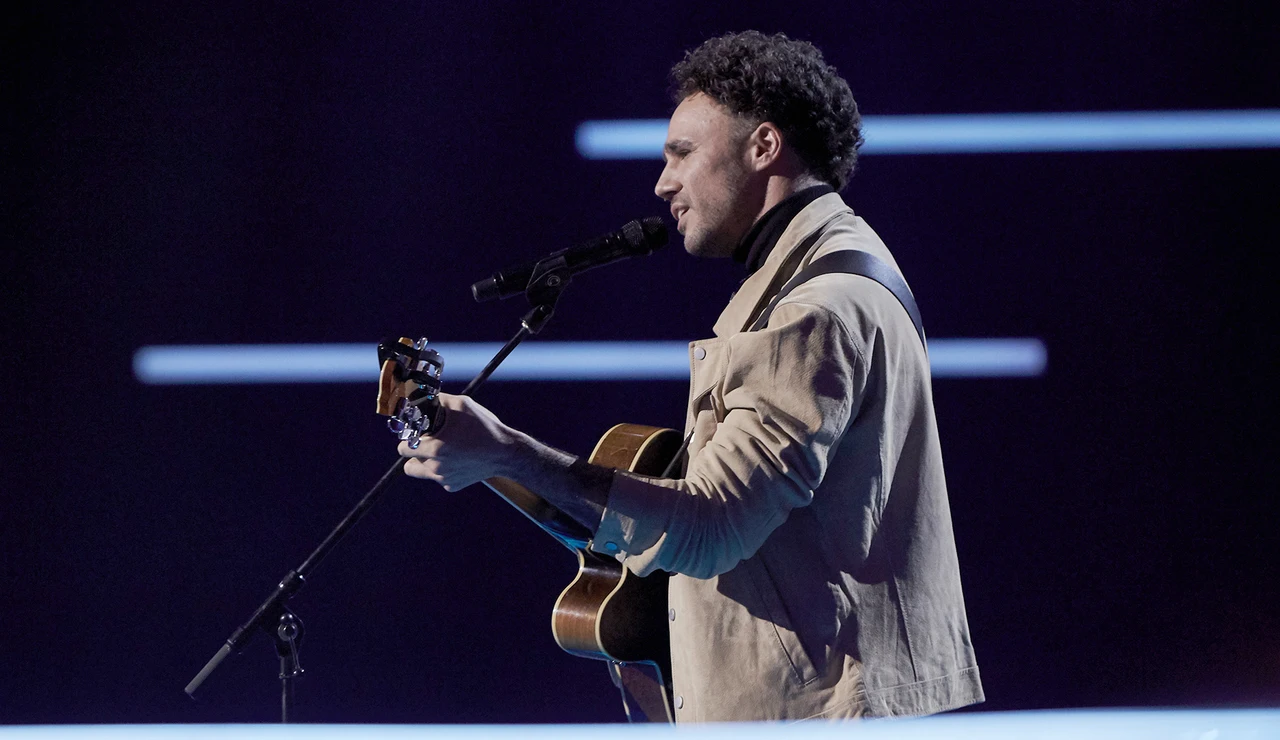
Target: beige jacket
x: 811, y: 536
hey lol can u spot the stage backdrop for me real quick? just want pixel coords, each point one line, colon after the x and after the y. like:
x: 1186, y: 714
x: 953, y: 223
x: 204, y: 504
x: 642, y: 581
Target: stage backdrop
x: 276, y: 173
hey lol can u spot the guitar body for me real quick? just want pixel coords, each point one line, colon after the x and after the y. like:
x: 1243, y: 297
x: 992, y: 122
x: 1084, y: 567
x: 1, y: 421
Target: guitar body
x: 610, y: 613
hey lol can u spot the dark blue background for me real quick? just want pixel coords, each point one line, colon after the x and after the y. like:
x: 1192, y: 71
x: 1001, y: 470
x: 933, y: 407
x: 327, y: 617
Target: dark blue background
x: 272, y: 172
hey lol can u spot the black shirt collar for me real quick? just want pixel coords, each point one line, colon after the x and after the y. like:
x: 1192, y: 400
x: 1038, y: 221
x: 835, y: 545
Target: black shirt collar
x: 764, y: 234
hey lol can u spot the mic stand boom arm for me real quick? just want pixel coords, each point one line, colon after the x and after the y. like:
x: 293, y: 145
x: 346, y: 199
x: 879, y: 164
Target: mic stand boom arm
x: 273, y: 616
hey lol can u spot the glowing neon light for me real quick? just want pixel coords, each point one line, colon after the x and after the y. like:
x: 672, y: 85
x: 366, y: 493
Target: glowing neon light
x: 358, y: 363
x: 1108, y: 724
x: 994, y: 133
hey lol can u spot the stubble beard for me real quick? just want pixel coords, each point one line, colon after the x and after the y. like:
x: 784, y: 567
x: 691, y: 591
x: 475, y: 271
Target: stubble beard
x: 706, y: 243
x: 717, y: 230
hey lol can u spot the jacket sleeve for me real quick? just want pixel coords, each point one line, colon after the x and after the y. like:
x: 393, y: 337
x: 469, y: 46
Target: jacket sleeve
x: 788, y: 392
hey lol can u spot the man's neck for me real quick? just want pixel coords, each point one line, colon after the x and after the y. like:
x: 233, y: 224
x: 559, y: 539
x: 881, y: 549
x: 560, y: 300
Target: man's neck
x: 779, y: 188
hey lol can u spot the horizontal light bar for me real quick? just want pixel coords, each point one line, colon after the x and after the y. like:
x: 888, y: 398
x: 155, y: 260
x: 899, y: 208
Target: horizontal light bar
x: 668, y: 360
x: 1011, y: 357
x: 993, y: 133
x: 1111, y: 724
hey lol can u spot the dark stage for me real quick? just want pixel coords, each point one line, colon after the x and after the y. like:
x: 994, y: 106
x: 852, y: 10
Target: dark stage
x: 270, y: 174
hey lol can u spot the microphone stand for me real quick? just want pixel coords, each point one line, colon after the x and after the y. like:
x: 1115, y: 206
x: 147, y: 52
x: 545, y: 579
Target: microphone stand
x: 546, y: 284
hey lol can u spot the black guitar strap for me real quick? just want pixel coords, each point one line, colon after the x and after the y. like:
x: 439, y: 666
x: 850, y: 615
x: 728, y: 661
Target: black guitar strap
x: 853, y: 262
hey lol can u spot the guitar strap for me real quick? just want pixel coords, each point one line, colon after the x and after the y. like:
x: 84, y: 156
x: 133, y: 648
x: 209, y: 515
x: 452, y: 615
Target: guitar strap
x: 853, y: 262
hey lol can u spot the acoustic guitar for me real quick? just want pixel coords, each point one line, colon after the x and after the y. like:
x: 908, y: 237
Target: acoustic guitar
x: 607, y: 612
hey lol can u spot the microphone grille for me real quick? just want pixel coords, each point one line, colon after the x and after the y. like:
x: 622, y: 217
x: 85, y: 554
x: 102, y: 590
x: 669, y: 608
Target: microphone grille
x: 655, y: 232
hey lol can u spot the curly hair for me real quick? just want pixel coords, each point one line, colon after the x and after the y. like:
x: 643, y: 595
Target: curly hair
x: 784, y: 81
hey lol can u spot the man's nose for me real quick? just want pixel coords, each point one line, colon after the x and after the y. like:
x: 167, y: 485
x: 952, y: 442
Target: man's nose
x: 666, y: 187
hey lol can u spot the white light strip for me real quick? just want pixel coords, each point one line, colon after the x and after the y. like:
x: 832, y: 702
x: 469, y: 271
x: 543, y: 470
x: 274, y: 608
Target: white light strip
x: 347, y: 363
x: 1009, y: 357
x: 1111, y: 724
x: 993, y: 133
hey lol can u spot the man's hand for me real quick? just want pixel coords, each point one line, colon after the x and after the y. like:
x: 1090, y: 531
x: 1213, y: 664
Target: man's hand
x: 473, y: 445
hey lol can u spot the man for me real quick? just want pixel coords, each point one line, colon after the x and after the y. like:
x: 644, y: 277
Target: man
x: 810, y: 539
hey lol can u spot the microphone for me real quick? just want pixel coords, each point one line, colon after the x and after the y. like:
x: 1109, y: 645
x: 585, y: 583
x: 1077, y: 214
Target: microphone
x: 635, y: 239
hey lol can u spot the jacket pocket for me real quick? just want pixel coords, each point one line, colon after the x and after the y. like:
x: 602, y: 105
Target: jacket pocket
x: 707, y: 361
x: 783, y: 626
x: 706, y: 411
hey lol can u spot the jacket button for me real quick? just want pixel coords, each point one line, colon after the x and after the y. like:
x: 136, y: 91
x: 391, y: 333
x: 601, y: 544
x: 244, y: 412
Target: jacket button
x: 679, y: 702
x: 611, y: 546
x: 671, y: 614
x: 699, y: 353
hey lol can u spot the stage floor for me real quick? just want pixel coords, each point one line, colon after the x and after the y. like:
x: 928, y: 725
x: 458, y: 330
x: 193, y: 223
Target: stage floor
x: 1144, y: 724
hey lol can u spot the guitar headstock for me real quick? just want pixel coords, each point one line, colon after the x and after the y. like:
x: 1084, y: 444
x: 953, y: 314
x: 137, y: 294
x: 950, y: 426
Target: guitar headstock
x: 408, y: 386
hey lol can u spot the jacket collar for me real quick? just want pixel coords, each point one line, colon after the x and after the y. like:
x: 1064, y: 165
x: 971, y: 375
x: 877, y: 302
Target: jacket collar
x: 755, y: 292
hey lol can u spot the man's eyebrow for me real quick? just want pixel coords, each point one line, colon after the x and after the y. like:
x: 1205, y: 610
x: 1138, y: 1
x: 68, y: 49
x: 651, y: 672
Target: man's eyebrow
x: 675, y: 146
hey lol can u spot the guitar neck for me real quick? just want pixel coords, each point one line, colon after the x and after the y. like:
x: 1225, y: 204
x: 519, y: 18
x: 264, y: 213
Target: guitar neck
x: 564, y: 528
x: 640, y: 449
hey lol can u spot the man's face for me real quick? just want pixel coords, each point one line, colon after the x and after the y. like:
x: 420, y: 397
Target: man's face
x: 712, y: 191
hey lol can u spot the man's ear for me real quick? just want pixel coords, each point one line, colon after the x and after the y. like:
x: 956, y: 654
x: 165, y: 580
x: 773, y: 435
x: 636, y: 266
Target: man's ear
x: 764, y: 146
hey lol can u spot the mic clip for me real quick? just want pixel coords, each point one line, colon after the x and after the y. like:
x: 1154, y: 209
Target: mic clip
x: 547, y: 282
